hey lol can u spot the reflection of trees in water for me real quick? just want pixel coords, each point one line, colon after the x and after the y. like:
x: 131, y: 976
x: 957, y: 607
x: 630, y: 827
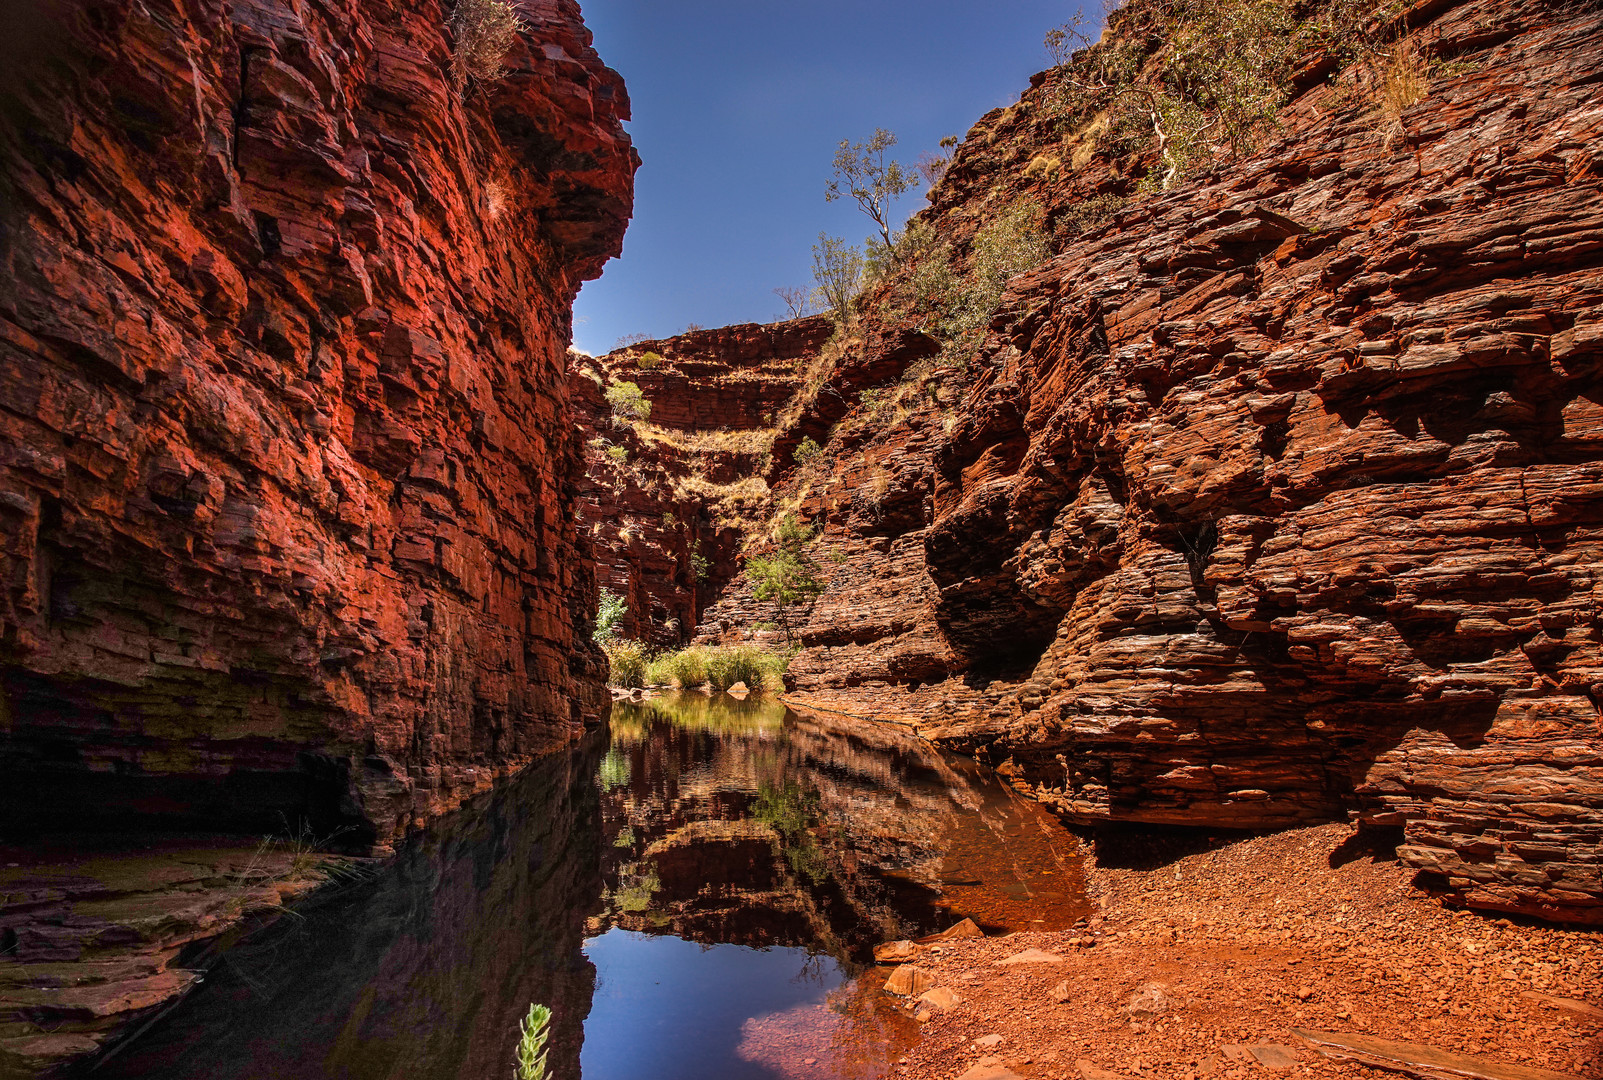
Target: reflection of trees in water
x: 790, y: 811
x: 614, y: 770
x: 760, y: 827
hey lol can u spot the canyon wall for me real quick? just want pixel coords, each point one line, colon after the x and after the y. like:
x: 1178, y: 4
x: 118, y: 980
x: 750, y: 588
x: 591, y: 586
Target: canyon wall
x: 1269, y: 499
x: 287, y: 472
x: 668, y: 499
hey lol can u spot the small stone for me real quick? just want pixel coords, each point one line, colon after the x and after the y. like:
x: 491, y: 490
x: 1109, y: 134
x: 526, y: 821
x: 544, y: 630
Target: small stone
x: 909, y: 981
x: 941, y: 997
x: 968, y: 928
x: 1304, y: 993
x: 809, y: 1061
x: 894, y: 952
x: 1061, y: 992
x: 1275, y: 1056
x: 988, y: 1042
x: 1149, y: 1001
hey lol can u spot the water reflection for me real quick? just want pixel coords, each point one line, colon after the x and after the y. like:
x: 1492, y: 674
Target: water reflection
x: 744, y: 822
x: 421, y: 972
x: 787, y: 845
x: 695, y: 894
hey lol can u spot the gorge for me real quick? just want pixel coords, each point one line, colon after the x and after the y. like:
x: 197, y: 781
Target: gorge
x: 1261, y: 500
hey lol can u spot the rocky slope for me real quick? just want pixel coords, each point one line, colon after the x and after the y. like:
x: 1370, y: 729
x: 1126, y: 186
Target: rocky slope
x: 668, y: 499
x: 1270, y: 499
x: 287, y: 475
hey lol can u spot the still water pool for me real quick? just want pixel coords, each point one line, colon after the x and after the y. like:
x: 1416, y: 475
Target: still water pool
x: 695, y: 892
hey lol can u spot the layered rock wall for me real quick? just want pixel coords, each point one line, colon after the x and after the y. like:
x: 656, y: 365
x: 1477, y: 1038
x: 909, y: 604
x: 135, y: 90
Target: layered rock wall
x: 287, y: 475
x: 667, y: 501
x: 1276, y: 497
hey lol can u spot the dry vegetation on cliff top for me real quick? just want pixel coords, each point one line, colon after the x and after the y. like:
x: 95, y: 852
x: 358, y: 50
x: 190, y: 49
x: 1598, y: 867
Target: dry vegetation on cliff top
x: 1268, y: 498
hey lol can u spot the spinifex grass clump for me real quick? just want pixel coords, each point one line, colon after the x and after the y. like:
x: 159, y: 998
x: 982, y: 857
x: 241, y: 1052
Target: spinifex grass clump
x: 719, y: 667
x: 485, y: 31
x: 532, y: 1034
x: 757, y: 668
x: 628, y: 660
x: 686, y: 669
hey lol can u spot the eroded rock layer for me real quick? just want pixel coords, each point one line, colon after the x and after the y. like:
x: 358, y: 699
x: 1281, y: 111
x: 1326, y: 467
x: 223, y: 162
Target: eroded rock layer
x: 286, y: 468
x: 1278, y: 496
x: 668, y: 498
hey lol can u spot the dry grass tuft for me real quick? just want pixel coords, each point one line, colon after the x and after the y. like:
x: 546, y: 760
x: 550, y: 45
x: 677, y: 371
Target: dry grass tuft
x: 484, y: 31
x: 1402, y: 84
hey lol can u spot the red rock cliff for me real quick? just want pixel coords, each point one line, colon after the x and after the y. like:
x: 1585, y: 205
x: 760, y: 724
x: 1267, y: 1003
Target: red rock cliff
x: 287, y: 475
x: 669, y: 499
x: 1278, y: 496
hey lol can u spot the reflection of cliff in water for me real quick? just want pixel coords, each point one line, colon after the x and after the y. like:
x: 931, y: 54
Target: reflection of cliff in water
x: 422, y: 972
x: 743, y: 822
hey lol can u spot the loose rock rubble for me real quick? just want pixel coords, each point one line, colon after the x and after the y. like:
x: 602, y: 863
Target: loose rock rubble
x: 1209, y: 964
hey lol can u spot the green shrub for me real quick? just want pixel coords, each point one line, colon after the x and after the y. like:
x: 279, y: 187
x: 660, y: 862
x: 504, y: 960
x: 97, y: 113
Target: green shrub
x: 627, y: 401
x: 657, y: 673
x: 649, y: 360
x: 759, y: 669
x: 620, y: 454
x: 838, y: 270
x: 610, y: 611
x: 628, y: 659
x: 532, y: 1033
x: 958, y: 308
x: 806, y: 450
x: 1186, y: 76
x: 688, y: 667
x: 789, y: 577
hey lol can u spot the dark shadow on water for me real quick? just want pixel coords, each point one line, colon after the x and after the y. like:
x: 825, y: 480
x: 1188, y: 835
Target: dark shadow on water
x: 695, y: 893
x: 421, y: 972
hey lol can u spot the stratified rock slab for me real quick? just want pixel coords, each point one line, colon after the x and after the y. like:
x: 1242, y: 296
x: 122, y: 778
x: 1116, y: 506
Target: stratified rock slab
x: 1273, y: 499
x: 1425, y: 1062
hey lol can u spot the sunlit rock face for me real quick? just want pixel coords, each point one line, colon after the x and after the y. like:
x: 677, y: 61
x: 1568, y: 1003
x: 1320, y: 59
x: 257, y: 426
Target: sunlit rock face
x: 666, y: 500
x: 287, y: 470
x: 1277, y: 497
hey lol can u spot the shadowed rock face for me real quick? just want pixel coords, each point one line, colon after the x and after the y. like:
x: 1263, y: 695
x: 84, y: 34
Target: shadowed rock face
x: 1279, y: 496
x: 286, y: 463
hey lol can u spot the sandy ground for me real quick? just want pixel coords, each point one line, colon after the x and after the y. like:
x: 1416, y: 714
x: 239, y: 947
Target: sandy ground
x: 1194, y: 957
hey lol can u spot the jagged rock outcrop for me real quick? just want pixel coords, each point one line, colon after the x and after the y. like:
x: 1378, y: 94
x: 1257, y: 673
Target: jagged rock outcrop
x: 667, y: 501
x: 287, y: 471
x: 1276, y: 497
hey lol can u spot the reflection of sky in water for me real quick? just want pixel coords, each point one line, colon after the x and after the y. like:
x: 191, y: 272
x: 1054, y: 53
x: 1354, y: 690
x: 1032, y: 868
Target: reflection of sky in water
x: 670, y: 1009
x: 787, y: 845
x: 725, y: 866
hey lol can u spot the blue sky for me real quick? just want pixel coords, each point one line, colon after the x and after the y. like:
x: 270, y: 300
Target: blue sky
x: 738, y: 108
